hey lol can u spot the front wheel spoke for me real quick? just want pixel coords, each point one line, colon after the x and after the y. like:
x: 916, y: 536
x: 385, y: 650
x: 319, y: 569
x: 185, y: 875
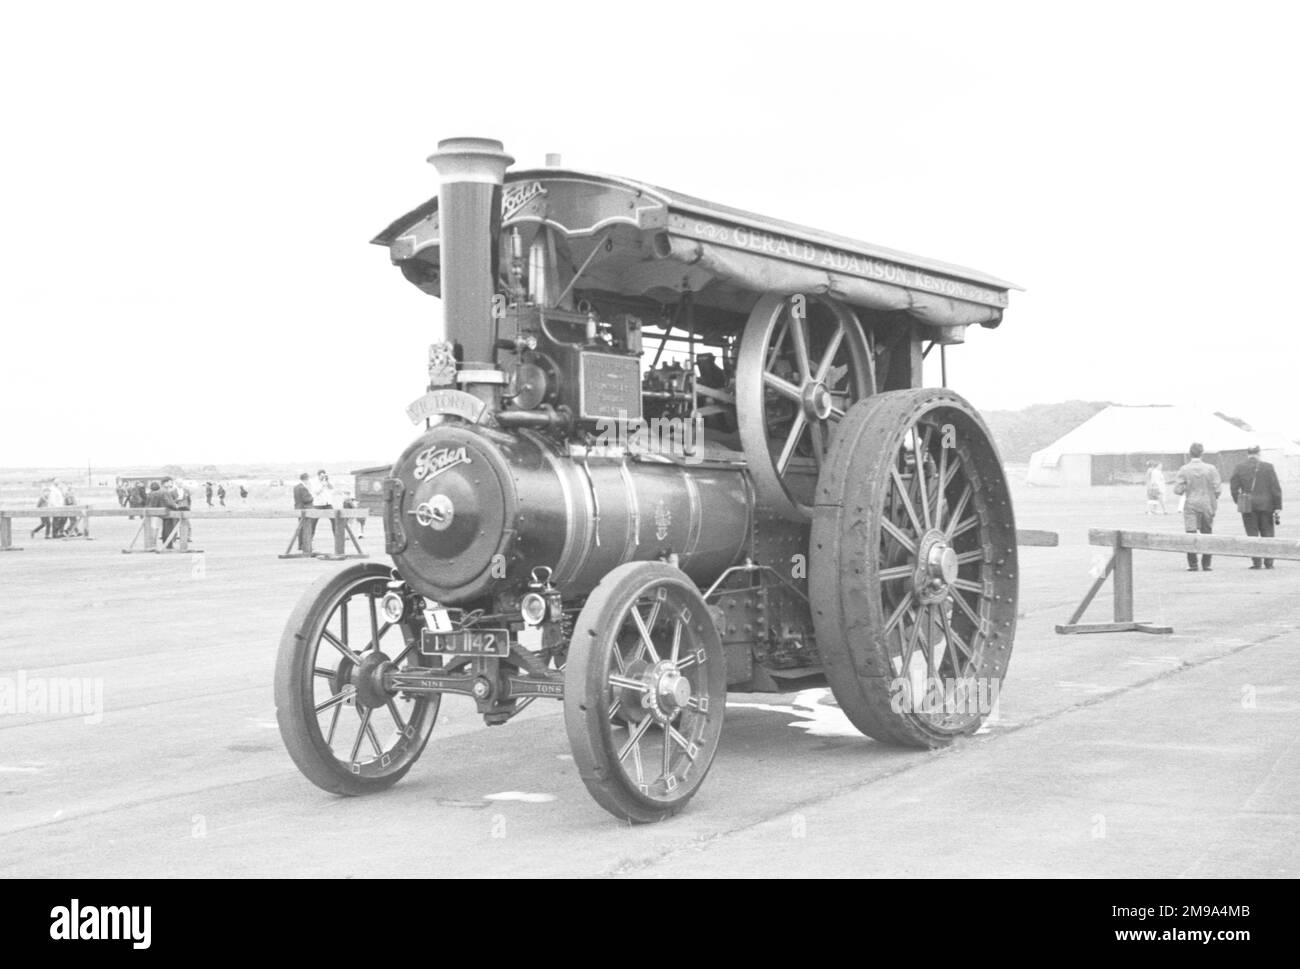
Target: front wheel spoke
x: 397, y: 660
x: 680, y: 741
x: 654, y: 615
x: 895, y: 572
x: 374, y: 740
x: 614, y: 707
x: 322, y: 671
x: 374, y: 623
x: 968, y: 586
x: 627, y: 683
x: 397, y: 717
x: 687, y: 662
x: 361, y: 732
x: 379, y: 634
x: 796, y: 432
x: 646, y: 643
x: 633, y: 745
x: 338, y: 698
x: 334, y: 722
x: 677, y: 641
x: 837, y: 414
x: 975, y: 555
x: 334, y: 641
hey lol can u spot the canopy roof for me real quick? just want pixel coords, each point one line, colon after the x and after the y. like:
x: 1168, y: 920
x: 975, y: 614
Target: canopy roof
x: 1155, y: 429
x: 663, y: 242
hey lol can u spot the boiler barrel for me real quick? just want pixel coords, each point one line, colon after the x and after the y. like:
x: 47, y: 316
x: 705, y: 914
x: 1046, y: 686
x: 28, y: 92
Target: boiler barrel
x: 474, y: 511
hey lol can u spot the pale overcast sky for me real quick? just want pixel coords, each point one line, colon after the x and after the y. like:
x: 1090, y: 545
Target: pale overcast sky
x: 188, y: 191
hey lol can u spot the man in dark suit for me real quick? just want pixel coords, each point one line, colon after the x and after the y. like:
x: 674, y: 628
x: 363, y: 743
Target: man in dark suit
x: 161, y: 496
x: 302, y: 498
x: 1256, y: 481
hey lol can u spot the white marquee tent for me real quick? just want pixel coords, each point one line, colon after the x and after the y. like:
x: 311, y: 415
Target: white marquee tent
x: 1113, y: 446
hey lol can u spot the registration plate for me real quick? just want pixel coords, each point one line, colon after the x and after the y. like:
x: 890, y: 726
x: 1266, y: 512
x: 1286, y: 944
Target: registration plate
x: 466, y: 642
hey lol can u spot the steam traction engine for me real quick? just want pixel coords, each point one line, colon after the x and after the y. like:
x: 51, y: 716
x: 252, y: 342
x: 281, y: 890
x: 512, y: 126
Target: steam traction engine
x: 671, y: 449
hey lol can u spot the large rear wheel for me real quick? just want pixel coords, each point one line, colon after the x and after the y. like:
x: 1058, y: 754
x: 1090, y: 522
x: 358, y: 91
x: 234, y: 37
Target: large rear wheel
x: 912, y: 569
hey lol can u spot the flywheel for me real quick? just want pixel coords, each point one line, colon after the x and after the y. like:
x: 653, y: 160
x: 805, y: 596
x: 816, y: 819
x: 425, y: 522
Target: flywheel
x: 804, y: 361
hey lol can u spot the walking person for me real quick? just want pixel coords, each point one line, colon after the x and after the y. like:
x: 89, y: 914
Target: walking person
x: 56, y: 501
x: 46, y: 523
x: 184, y: 501
x: 1199, y: 484
x: 71, y: 526
x: 302, y: 498
x: 221, y: 494
x: 243, y: 494
x: 1155, y: 488
x: 1258, y: 496
x: 207, y: 491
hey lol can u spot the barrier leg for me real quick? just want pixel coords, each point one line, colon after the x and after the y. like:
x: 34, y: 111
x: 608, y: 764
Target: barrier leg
x: 347, y: 525
x: 1123, y: 584
x: 145, y: 535
x: 1121, y: 564
x: 7, y: 535
x: 299, y: 533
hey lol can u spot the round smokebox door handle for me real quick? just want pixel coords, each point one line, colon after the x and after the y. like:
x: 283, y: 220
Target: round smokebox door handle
x: 436, y: 513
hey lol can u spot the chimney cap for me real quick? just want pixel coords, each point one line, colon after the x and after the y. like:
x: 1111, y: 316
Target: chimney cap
x: 471, y: 160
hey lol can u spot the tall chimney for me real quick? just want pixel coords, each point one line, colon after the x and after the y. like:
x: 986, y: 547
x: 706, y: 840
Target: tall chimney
x: 471, y: 172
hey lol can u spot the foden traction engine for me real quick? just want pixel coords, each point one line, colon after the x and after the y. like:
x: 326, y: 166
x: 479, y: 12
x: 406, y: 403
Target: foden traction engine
x: 671, y: 449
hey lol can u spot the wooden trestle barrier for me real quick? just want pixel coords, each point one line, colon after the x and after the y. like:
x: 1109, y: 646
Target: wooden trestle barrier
x: 148, y: 537
x: 1121, y: 567
x: 342, y: 519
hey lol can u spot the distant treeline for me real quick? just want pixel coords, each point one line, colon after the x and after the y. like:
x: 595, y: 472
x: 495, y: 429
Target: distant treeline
x: 1019, y: 433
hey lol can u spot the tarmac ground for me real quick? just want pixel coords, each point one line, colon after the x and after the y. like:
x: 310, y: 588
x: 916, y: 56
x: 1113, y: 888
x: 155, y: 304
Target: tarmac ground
x: 1108, y: 755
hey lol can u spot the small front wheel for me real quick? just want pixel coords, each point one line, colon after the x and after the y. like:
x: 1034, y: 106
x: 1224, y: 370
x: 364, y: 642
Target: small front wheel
x: 343, y: 731
x: 644, y: 691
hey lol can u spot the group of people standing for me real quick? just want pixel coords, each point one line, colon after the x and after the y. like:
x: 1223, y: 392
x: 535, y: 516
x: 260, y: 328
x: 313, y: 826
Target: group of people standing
x: 1255, y: 491
x: 58, y: 495
x: 220, y: 490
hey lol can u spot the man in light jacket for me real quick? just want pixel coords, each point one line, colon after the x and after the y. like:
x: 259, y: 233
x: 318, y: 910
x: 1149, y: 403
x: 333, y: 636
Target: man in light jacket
x: 1201, y: 484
